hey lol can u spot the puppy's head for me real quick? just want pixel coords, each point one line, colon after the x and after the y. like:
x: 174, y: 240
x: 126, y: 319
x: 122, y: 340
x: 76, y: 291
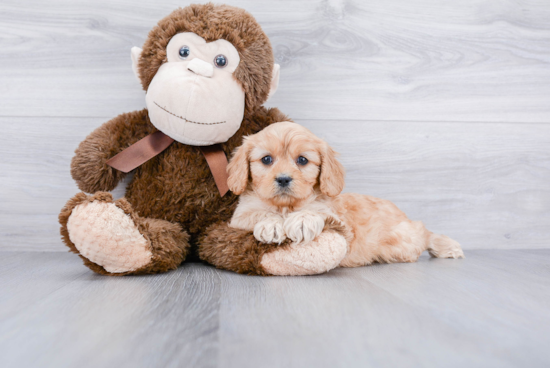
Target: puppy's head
x: 284, y: 164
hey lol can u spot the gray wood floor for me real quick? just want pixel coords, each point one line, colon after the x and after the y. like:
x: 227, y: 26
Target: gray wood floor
x: 488, y: 310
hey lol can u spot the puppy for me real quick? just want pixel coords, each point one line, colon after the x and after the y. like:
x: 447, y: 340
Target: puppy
x: 290, y: 183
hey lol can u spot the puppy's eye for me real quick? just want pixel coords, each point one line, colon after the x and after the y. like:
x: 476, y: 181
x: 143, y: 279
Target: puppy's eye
x: 267, y: 160
x: 302, y: 161
x: 184, y: 52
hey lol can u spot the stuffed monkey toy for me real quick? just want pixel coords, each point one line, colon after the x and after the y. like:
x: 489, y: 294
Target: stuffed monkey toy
x: 206, y: 70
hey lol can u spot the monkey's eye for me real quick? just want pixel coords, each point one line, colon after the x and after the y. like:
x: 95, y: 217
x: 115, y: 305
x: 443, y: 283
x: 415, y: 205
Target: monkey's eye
x: 267, y: 160
x: 302, y: 161
x: 184, y: 52
x: 220, y: 61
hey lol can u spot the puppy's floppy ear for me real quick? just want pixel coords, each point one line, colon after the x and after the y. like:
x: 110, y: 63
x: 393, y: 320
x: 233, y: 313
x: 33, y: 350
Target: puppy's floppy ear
x: 332, y: 174
x: 238, y: 168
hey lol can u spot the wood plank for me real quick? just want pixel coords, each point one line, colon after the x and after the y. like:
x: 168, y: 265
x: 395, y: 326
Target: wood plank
x: 485, y: 185
x: 378, y: 60
x: 485, y: 311
x: 488, y: 310
x: 33, y: 270
x: 88, y: 320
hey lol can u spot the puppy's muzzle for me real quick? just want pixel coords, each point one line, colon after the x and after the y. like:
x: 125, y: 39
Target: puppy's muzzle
x: 283, y: 181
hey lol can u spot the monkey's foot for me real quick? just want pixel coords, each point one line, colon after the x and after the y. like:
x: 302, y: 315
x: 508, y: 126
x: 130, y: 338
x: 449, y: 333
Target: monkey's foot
x: 317, y: 256
x: 107, y: 236
x: 113, y: 239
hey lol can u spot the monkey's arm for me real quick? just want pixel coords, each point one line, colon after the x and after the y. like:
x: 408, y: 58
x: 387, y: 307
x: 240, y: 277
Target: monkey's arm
x: 235, y: 249
x: 239, y: 251
x: 88, y: 166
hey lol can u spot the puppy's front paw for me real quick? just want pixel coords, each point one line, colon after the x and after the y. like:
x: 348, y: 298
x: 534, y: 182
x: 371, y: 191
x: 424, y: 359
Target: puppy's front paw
x: 270, y: 230
x: 303, y: 226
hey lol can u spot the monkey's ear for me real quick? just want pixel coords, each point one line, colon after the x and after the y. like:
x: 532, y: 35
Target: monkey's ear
x: 136, y: 55
x: 238, y: 168
x: 274, y: 80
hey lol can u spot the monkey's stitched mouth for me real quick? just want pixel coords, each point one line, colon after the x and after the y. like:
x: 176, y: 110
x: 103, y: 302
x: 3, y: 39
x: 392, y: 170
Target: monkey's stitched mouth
x: 188, y: 121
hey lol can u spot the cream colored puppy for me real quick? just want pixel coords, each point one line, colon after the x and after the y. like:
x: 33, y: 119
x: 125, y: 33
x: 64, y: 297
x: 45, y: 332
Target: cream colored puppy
x: 290, y: 183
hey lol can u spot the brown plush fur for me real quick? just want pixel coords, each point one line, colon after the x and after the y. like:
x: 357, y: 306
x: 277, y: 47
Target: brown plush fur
x: 173, y: 198
x: 176, y: 186
x: 237, y: 250
x: 88, y: 166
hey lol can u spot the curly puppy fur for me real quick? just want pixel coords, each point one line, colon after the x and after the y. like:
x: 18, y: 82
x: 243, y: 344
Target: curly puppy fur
x: 310, y: 194
x: 176, y: 188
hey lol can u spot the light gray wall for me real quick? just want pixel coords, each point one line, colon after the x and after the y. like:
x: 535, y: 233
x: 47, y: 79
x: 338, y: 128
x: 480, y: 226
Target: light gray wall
x: 441, y: 107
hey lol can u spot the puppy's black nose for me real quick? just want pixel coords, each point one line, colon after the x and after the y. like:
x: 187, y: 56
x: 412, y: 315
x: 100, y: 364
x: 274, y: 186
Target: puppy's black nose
x: 283, y: 181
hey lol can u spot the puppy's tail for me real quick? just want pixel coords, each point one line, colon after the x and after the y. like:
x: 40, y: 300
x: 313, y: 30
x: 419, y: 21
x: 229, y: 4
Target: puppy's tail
x: 442, y: 246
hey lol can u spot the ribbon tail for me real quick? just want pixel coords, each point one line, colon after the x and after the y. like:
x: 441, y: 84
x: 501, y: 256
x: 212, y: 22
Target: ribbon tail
x: 140, y: 152
x: 217, y: 161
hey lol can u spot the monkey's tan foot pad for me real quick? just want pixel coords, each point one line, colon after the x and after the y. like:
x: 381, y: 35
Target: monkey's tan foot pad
x: 103, y: 233
x: 320, y: 255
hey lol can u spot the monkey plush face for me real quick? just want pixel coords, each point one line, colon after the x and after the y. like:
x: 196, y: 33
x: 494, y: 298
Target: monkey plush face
x: 194, y: 97
x: 201, y: 73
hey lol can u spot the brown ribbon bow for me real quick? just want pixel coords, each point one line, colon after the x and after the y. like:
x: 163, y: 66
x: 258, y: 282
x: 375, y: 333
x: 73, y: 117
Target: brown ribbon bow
x: 147, y: 148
